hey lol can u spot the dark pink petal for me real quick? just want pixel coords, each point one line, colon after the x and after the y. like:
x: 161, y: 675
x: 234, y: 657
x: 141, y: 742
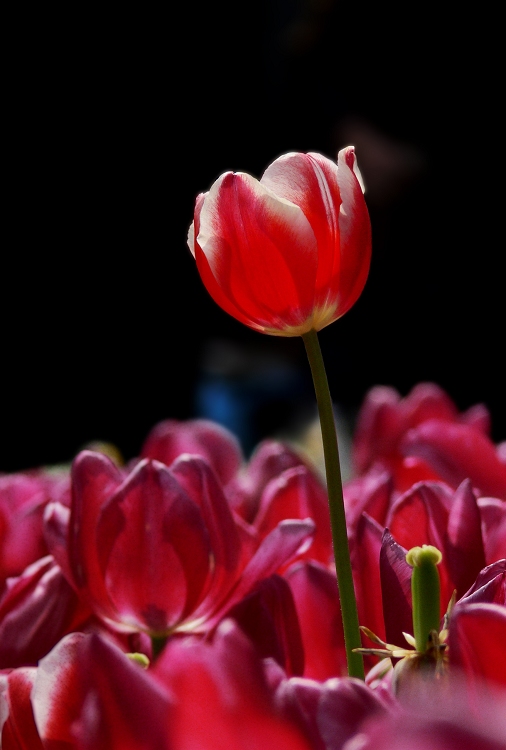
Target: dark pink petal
x: 221, y: 696
x: 36, y: 611
x: 420, y: 516
x: 458, y: 452
x: 395, y: 590
x: 496, y: 542
x: 298, y: 699
x: 478, y: 417
x: 269, y: 459
x: 199, y: 481
x: 366, y: 574
x: 154, y: 550
x: 19, y: 731
x: 297, y: 493
x: 269, y: 618
x: 501, y: 451
x: 436, y: 726
x: 279, y: 548
x: 370, y: 493
x: 122, y: 708
x: 202, y: 437
x: 94, y: 478
x: 493, y: 520
x: 23, y: 497
x: 56, y: 533
x: 344, y: 706
x: 315, y: 592
x: 378, y: 427
x: 465, y: 555
x: 427, y: 401
x: 489, y: 587
x: 477, y: 635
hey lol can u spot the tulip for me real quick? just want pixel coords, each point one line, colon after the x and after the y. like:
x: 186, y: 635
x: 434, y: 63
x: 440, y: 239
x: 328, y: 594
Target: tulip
x: 202, y: 437
x: 221, y: 696
x: 158, y: 550
x: 267, y: 461
x: 384, y: 420
x: 287, y: 255
x: 23, y: 497
x: 38, y: 608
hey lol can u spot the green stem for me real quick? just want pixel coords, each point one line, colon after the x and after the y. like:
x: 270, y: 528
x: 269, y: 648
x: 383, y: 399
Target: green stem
x: 349, y: 612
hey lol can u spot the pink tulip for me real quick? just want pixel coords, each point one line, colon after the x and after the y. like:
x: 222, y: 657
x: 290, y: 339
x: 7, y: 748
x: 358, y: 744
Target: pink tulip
x: 387, y: 434
x: 38, y: 608
x: 159, y: 550
x: 457, y: 452
x: 221, y: 698
x: 23, y: 497
x: 202, y: 437
x: 269, y: 459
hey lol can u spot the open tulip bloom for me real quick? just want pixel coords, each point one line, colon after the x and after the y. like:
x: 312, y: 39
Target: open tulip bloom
x: 287, y: 255
x: 193, y: 598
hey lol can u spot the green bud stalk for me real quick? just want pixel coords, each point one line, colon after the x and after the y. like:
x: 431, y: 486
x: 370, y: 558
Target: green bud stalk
x: 425, y: 591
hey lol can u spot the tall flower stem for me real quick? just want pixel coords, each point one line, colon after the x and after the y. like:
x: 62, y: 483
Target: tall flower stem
x: 349, y: 612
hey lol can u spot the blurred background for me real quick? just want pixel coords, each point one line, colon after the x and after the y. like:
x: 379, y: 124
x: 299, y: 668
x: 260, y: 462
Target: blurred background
x: 117, y: 118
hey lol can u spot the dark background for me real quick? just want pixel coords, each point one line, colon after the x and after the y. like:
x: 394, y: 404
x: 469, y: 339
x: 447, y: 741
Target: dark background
x: 117, y: 119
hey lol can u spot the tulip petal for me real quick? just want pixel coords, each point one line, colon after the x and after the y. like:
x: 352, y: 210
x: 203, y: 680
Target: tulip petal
x: 154, y: 549
x: 123, y: 708
x: 366, y: 568
x: 269, y: 618
x: 35, y: 613
x: 298, y: 493
x: 345, y: 704
x: 420, y: 516
x: 221, y: 693
x: 268, y: 460
x: 395, y: 589
x: 489, y: 587
x: 316, y: 597
x: 19, y: 730
x: 355, y: 229
x: 203, y: 437
x: 58, y: 692
x: 311, y: 182
x: 228, y: 557
x: 458, y: 452
x: 276, y: 550
x: 259, y: 251
x: 465, y: 555
x: 94, y: 478
x: 476, y: 639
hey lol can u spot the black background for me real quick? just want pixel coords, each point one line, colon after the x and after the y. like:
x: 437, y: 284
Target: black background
x: 116, y: 119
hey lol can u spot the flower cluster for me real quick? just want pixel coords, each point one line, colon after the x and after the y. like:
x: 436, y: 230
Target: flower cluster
x: 195, y: 598
x: 191, y: 594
